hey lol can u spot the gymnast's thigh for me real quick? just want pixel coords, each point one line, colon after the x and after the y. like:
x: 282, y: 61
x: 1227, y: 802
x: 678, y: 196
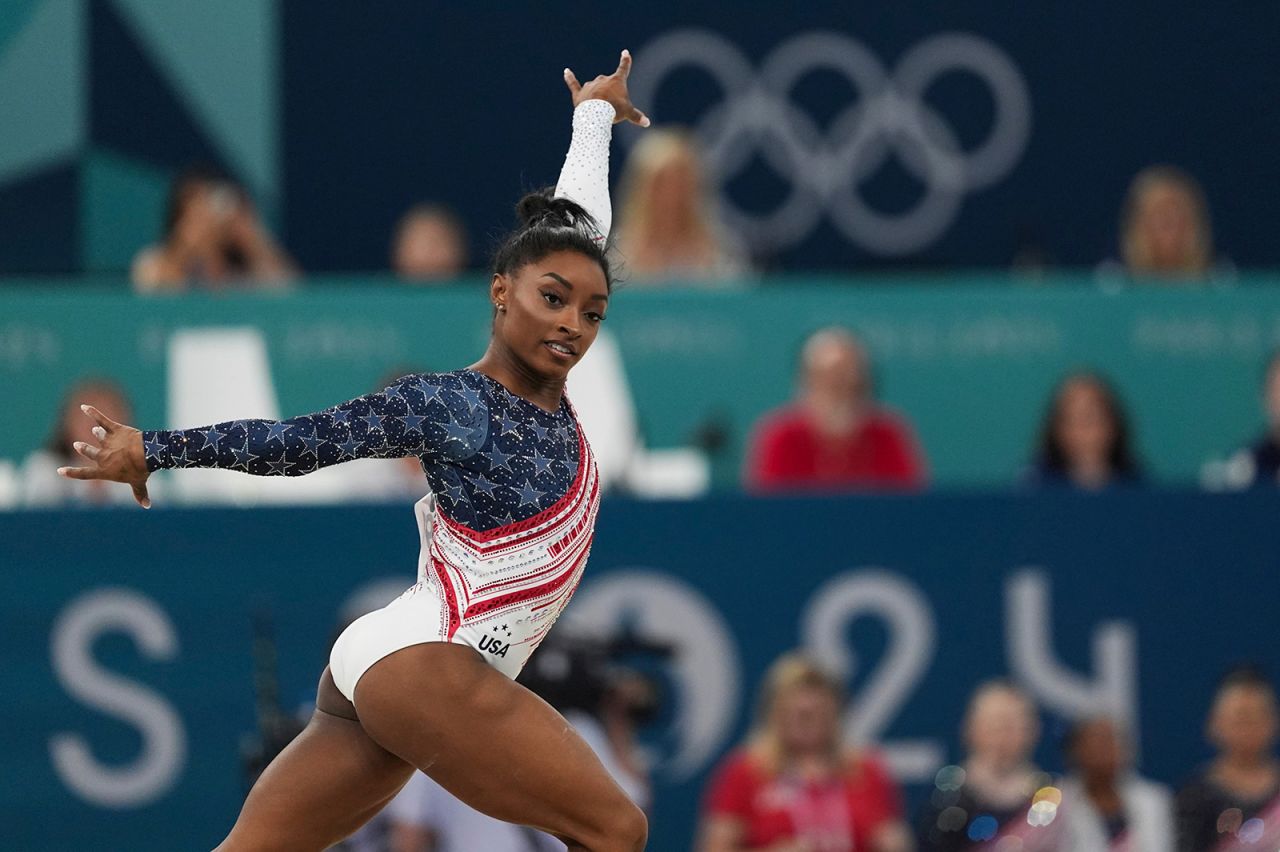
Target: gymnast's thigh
x: 493, y: 744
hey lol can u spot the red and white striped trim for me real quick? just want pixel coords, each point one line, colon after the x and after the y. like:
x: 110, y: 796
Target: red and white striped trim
x: 548, y: 553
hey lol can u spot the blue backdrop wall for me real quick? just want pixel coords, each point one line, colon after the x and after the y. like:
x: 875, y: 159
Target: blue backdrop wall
x: 905, y: 132
x: 129, y: 667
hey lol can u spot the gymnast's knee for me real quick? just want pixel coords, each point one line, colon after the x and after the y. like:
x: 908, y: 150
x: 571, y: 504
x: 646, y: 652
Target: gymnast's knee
x: 626, y: 830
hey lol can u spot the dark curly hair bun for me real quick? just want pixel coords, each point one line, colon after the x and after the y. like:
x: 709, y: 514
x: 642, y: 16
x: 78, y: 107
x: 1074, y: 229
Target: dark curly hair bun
x: 543, y: 209
x: 549, y: 224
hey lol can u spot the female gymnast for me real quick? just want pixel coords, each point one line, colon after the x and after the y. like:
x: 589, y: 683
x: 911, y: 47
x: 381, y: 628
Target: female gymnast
x: 426, y: 683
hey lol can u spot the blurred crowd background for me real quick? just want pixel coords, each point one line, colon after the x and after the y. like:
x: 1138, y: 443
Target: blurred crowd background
x: 954, y: 306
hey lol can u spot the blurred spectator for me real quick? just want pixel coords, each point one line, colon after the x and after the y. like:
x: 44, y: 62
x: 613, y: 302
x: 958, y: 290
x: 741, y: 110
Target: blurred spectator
x: 834, y: 436
x: 1165, y: 230
x: 988, y: 801
x: 1260, y: 463
x: 795, y: 785
x: 213, y: 238
x: 424, y: 817
x: 1084, y: 440
x: 1108, y: 807
x: 1234, y: 802
x: 40, y: 484
x: 430, y: 245
x: 628, y: 701
x: 667, y: 227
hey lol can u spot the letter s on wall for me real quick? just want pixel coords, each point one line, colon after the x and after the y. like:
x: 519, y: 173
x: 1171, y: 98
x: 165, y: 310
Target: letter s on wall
x: 156, y: 768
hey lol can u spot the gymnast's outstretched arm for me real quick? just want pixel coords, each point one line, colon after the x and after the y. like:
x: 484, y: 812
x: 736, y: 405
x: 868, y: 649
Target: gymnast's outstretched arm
x: 411, y: 417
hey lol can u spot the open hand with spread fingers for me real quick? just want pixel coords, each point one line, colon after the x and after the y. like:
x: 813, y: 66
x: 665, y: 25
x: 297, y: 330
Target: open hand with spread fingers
x: 611, y: 88
x: 119, y: 456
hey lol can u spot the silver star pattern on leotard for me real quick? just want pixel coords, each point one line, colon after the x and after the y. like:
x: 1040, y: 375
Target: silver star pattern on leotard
x: 490, y: 456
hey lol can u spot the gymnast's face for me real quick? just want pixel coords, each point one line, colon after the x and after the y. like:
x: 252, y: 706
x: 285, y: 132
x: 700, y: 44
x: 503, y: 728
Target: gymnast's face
x: 550, y: 311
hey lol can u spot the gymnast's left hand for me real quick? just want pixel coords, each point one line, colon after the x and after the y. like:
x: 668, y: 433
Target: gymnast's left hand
x: 118, y: 456
x: 611, y: 88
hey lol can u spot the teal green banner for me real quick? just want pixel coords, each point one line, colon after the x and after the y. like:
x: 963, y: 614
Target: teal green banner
x: 969, y: 361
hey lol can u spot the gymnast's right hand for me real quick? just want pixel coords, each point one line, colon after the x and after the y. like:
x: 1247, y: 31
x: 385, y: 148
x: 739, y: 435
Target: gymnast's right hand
x: 119, y: 456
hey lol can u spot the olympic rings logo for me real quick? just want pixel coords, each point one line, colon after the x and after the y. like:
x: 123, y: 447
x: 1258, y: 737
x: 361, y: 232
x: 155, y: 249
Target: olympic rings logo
x: 825, y: 168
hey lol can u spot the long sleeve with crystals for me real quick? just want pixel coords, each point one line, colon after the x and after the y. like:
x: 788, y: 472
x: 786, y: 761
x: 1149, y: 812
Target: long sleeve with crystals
x: 585, y: 175
x: 409, y: 418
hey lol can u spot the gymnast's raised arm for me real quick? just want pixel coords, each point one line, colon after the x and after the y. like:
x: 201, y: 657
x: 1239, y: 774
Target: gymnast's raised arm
x: 598, y: 105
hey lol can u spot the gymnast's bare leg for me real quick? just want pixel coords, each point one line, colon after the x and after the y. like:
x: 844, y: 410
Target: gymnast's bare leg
x: 480, y: 735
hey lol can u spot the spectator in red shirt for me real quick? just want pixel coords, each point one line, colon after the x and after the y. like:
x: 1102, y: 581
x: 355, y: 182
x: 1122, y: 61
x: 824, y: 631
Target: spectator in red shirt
x: 795, y: 786
x: 835, y: 436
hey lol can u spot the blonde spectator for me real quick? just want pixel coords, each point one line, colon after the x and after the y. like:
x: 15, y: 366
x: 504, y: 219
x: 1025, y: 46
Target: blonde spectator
x: 430, y: 245
x: 796, y: 785
x: 667, y: 227
x: 992, y: 800
x: 1165, y: 228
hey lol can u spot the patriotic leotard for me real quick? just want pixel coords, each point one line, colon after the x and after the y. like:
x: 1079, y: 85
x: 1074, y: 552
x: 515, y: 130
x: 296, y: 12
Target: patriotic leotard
x: 508, y: 528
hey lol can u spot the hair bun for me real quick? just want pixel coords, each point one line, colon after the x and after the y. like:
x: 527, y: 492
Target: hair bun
x: 548, y: 224
x: 543, y: 209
